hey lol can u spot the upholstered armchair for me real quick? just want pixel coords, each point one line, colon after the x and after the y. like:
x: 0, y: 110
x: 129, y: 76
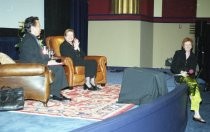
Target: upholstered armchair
x: 35, y: 79
x: 76, y: 74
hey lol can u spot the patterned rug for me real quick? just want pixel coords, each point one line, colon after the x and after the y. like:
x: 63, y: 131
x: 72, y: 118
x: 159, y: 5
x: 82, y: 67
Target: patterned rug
x: 85, y: 104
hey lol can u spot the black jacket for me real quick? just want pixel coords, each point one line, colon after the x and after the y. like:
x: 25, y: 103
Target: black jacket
x: 77, y: 56
x: 31, y: 51
x: 180, y: 63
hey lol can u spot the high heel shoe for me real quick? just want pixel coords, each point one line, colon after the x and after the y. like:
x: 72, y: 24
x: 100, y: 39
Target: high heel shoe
x: 89, y: 88
x: 95, y: 87
x: 199, y: 120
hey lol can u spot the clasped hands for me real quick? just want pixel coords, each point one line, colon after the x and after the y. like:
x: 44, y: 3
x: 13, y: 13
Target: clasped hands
x: 76, y: 44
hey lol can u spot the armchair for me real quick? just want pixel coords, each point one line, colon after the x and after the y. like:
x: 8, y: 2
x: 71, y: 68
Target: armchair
x: 35, y: 79
x: 76, y: 74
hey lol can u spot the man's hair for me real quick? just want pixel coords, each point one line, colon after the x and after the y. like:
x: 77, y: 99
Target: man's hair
x: 30, y: 21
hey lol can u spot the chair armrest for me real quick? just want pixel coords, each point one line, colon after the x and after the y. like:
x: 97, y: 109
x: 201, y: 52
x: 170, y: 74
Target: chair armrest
x: 101, y: 61
x: 68, y: 63
x: 22, y: 69
x: 74, y: 69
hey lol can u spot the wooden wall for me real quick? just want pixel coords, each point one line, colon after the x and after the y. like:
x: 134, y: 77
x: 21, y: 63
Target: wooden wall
x: 172, y: 11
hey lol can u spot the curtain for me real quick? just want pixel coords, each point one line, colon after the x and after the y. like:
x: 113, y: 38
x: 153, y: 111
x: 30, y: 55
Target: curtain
x: 63, y: 14
x: 79, y: 21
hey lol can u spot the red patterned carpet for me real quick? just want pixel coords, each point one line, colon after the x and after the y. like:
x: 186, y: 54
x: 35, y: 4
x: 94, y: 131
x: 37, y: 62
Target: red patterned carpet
x: 85, y: 104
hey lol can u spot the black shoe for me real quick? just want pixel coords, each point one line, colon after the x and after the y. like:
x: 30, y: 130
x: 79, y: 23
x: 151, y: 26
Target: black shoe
x: 68, y: 87
x: 65, y: 98
x: 56, y: 98
x: 95, y: 87
x: 199, y: 120
x: 89, y: 88
x: 61, y: 98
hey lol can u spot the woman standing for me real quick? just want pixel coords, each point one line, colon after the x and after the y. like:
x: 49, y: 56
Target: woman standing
x: 184, y: 64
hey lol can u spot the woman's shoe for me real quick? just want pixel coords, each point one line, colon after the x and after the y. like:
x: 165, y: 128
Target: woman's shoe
x: 89, y: 88
x: 85, y: 87
x: 199, y: 120
x: 95, y: 87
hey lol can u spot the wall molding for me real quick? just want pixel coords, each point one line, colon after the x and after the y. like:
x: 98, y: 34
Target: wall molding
x: 105, y: 17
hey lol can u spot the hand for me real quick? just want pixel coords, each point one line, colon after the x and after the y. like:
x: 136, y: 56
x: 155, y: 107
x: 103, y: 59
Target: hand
x: 76, y: 44
x: 184, y: 73
x: 45, y: 50
x: 51, y: 53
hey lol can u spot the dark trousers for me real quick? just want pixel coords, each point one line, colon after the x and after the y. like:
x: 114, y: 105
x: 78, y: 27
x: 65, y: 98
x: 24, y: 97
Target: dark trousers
x: 90, y: 68
x: 59, y: 81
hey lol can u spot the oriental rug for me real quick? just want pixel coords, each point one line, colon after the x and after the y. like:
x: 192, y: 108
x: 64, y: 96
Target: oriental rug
x: 85, y: 104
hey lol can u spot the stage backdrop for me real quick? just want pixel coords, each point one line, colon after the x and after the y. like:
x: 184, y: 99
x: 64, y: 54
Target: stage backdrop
x: 67, y: 14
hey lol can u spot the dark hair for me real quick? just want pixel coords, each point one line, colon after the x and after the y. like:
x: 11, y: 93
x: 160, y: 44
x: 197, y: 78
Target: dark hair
x: 30, y: 21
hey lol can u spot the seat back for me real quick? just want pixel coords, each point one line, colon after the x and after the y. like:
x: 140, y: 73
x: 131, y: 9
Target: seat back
x: 55, y: 42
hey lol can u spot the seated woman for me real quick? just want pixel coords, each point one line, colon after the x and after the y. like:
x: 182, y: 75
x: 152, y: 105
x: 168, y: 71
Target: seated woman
x: 184, y: 65
x: 70, y: 48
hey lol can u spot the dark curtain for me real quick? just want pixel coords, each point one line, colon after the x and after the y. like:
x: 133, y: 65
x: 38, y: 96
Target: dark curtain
x: 79, y: 21
x: 57, y: 17
x: 63, y: 14
x: 7, y: 46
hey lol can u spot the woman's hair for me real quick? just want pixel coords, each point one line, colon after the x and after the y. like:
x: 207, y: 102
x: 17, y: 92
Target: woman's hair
x: 68, y: 30
x: 185, y: 40
x: 30, y: 21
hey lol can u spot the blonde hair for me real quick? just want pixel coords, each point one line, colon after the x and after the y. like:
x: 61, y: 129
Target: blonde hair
x: 68, y: 30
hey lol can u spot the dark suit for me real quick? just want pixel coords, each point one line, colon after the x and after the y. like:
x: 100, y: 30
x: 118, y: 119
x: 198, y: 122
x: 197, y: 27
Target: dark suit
x: 31, y: 52
x: 77, y: 56
x: 180, y: 63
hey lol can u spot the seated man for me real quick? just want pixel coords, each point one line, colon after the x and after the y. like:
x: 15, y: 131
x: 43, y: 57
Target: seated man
x: 32, y: 52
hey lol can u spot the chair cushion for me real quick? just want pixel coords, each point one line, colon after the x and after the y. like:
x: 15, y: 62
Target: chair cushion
x: 5, y: 59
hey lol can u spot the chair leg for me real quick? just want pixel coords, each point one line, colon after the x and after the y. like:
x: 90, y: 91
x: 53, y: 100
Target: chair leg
x: 103, y: 84
x: 45, y: 104
x: 70, y: 87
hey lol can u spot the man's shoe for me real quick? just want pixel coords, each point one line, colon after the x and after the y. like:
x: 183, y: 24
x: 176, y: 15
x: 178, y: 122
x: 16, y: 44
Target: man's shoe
x: 61, y: 98
x: 68, y: 87
x: 57, y: 98
x: 65, y: 98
